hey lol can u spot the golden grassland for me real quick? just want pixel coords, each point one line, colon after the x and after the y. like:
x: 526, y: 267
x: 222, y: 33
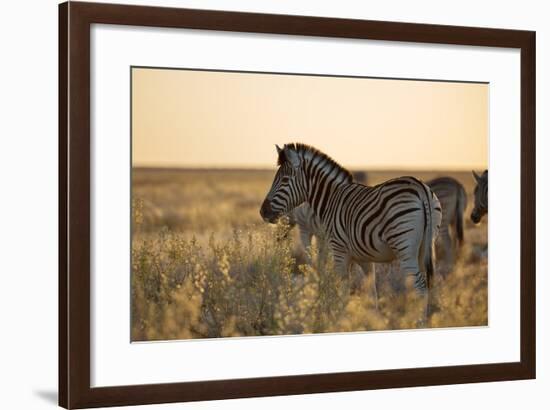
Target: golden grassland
x: 205, y: 265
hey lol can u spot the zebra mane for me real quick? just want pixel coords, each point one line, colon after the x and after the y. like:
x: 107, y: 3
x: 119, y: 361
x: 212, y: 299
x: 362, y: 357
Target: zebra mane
x: 303, y: 149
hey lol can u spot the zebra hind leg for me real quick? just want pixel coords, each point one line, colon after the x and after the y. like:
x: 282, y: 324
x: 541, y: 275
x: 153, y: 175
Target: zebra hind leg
x: 447, y: 250
x: 421, y: 286
x: 417, y: 278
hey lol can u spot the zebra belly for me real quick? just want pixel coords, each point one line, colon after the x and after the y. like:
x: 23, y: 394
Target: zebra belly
x: 383, y: 253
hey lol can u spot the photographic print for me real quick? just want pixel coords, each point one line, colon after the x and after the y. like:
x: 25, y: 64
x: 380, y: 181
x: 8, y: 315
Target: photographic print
x: 228, y: 192
x: 271, y: 204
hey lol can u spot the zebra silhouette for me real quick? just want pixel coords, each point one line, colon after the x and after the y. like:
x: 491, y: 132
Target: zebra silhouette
x: 481, y: 198
x: 453, y: 199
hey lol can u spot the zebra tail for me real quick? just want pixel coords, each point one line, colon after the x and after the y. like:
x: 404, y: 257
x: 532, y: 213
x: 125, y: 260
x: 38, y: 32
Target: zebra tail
x: 429, y: 257
x: 428, y: 239
x: 459, y: 216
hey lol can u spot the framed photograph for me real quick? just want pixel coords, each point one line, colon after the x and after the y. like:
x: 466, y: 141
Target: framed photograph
x: 256, y: 205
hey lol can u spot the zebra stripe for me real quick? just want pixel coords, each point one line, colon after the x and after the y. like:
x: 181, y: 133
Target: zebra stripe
x: 453, y: 199
x: 309, y: 224
x: 393, y: 220
x: 481, y: 198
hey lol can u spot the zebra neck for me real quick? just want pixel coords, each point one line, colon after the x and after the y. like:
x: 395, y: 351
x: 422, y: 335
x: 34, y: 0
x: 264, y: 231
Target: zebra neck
x: 321, y: 195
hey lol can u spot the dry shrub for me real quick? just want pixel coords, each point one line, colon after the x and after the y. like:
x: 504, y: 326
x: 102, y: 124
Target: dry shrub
x: 318, y: 298
x: 251, y: 285
x: 224, y: 289
x: 461, y: 299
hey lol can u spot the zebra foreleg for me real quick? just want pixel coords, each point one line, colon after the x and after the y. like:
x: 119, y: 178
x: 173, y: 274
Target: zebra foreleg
x: 305, y: 239
x: 342, y: 266
x: 367, y: 268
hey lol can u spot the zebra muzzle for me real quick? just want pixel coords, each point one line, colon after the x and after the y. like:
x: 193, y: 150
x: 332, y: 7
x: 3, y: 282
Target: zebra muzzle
x: 267, y: 213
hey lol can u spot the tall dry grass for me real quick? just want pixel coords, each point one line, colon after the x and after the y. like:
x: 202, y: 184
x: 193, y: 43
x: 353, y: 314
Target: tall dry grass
x: 204, y: 265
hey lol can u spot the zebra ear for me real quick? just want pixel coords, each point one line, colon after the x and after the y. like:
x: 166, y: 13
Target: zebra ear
x: 279, y: 149
x: 476, y: 176
x: 292, y: 156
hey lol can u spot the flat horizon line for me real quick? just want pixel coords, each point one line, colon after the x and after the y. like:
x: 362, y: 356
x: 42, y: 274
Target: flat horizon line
x: 259, y: 168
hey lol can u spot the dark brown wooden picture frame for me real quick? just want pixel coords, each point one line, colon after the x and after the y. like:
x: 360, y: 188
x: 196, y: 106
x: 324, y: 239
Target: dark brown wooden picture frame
x: 75, y: 20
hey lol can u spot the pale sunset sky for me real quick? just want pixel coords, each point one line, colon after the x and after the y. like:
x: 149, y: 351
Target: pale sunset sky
x: 198, y: 119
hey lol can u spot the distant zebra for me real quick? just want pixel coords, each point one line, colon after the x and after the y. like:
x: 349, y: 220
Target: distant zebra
x: 481, y: 199
x: 397, y: 219
x: 453, y: 199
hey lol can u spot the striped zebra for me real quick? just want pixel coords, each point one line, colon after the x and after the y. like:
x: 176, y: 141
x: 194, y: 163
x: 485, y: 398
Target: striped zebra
x: 481, y: 199
x: 453, y: 199
x: 397, y: 219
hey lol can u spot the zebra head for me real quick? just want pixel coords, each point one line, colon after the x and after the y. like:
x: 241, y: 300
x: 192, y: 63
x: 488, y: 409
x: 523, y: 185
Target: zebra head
x: 481, y: 200
x: 289, y: 185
